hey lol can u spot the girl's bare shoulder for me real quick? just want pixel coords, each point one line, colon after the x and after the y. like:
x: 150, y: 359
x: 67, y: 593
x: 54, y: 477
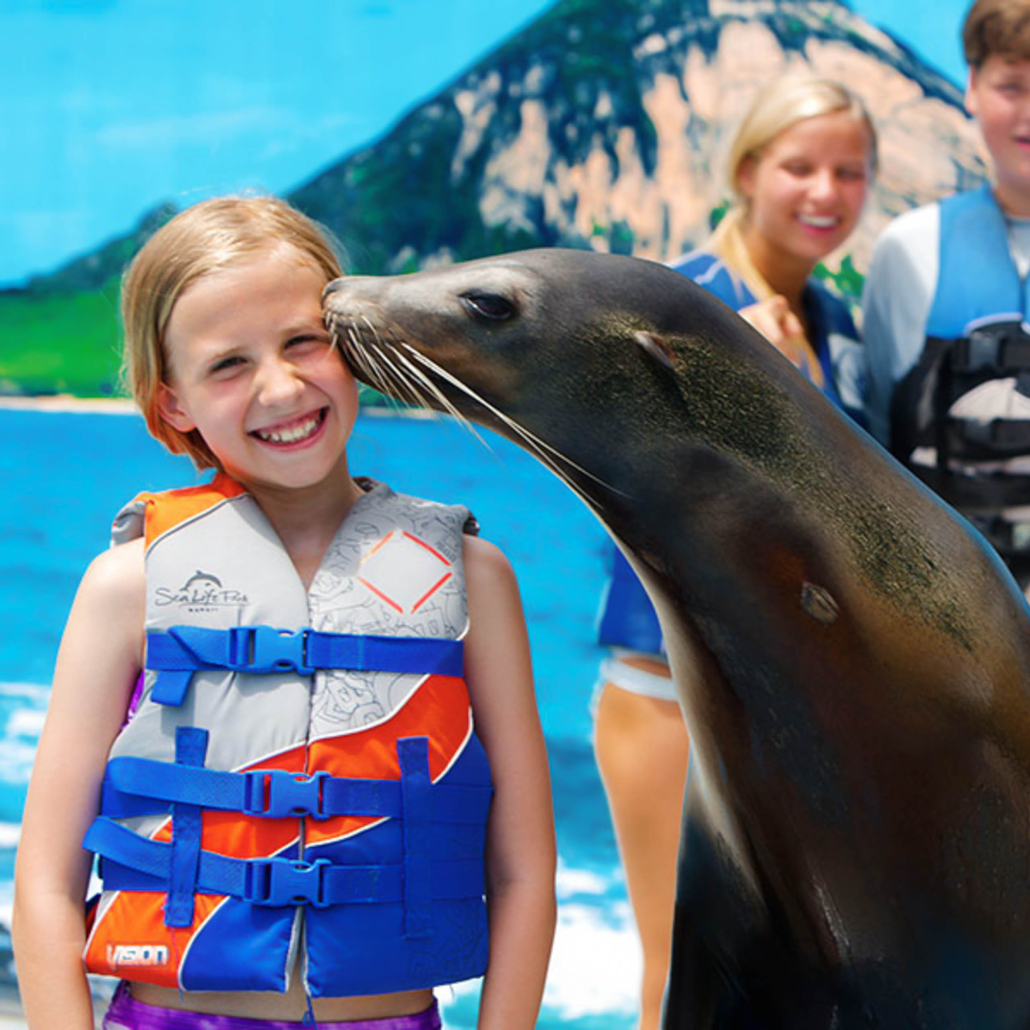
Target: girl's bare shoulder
x: 116, y: 575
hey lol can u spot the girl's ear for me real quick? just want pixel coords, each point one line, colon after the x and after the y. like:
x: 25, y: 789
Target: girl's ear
x: 172, y: 411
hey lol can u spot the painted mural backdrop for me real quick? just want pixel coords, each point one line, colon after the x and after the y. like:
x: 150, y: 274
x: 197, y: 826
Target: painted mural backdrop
x: 419, y: 132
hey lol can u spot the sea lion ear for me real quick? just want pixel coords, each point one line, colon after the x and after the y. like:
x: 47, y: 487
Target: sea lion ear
x: 655, y: 347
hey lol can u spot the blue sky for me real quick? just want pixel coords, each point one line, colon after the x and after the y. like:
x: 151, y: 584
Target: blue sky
x: 108, y: 107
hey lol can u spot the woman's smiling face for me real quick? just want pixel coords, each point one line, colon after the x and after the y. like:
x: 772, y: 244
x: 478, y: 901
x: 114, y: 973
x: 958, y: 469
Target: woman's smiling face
x: 805, y: 189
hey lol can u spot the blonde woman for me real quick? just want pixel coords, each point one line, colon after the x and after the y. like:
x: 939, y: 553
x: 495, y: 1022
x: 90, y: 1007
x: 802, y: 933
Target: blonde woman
x: 799, y: 171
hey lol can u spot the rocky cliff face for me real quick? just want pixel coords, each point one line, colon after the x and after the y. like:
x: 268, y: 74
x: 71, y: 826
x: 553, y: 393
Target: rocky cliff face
x: 604, y: 124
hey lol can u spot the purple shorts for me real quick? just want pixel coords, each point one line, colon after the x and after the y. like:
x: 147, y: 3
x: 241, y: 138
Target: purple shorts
x: 126, y: 1013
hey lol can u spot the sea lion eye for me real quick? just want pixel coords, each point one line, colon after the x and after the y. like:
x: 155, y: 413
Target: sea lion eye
x: 490, y: 306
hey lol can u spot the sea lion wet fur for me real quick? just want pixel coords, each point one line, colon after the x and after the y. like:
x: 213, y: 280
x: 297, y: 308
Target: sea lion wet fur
x: 853, y: 661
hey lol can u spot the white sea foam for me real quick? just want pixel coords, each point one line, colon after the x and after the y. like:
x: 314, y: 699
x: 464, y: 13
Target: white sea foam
x: 36, y: 694
x: 25, y: 705
x: 16, y: 758
x: 572, y: 882
x: 25, y: 722
x: 596, y: 963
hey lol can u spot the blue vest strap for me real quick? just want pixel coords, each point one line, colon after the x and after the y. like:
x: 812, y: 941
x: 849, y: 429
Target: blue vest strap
x: 190, y: 751
x: 135, y: 863
x: 177, y: 653
x: 144, y: 786
x: 416, y: 798
x: 170, y: 686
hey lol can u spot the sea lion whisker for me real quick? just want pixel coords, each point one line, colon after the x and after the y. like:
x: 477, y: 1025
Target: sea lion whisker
x: 537, y: 444
x: 441, y: 398
x: 543, y: 450
x: 386, y: 350
x: 428, y: 390
x: 408, y: 387
x: 366, y: 356
x: 358, y: 357
x: 377, y: 365
x: 434, y: 391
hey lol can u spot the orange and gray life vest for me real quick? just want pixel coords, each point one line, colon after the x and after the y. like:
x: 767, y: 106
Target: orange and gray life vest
x: 300, y: 786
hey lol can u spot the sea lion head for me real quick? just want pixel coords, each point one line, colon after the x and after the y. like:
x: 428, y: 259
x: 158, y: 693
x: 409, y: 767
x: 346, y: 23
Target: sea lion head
x: 585, y: 361
x: 661, y: 408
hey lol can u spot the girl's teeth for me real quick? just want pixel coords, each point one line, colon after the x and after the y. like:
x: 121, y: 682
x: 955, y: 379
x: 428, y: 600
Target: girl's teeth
x: 818, y: 222
x: 291, y: 435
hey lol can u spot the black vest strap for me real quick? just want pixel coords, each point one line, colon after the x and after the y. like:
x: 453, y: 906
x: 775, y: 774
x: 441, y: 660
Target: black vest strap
x: 992, y: 351
x: 1001, y: 437
x: 976, y: 494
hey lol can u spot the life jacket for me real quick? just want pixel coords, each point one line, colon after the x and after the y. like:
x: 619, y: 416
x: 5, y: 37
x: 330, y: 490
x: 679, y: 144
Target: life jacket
x: 300, y: 785
x: 834, y: 338
x: 955, y: 417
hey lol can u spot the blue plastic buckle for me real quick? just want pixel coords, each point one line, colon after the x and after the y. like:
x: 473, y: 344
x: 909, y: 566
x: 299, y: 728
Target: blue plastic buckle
x: 285, y: 881
x: 267, y: 649
x: 279, y: 794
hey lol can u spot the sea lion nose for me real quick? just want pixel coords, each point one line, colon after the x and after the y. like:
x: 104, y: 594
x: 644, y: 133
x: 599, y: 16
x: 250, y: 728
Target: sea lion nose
x: 354, y: 288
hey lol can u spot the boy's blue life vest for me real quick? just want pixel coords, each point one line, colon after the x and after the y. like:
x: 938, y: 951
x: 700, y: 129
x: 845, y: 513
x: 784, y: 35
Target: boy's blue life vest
x: 976, y: 336
x: 300, y: 787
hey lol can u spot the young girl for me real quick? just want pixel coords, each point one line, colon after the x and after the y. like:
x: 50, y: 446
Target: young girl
x: 799, y: 169
x: 294, y: 817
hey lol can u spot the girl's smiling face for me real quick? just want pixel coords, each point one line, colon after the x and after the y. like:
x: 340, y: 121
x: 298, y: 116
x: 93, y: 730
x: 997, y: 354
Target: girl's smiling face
x: 806, y: 188
x: 253, y: 370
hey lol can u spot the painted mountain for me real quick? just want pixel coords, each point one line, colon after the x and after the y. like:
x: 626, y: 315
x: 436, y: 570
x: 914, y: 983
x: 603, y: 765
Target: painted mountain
x: 603, y: 124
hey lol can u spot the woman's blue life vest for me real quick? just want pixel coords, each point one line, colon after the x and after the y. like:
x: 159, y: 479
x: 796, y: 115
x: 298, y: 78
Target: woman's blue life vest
x: 952, y: 416
x: 300, y: 786
x: 627, y: 617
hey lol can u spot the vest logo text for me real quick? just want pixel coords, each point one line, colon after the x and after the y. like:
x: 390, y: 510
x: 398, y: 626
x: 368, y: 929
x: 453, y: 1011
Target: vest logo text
x: 203, y: 591
x: 137, y: 955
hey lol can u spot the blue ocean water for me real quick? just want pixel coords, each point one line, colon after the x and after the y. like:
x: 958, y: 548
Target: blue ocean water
x: 66, y: 474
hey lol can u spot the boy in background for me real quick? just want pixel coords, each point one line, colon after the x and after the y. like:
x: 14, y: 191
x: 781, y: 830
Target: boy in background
x: 946, y: 301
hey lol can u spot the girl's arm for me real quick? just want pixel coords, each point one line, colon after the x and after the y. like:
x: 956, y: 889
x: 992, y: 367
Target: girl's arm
x: 520, y: 837
x: 97, y: 665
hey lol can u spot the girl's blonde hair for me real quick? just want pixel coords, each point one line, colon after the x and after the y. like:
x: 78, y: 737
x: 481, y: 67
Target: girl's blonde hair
x: 207, y: 238
x: 779, y: 106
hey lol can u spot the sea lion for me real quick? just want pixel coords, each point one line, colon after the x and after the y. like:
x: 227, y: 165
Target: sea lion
x: 853, y: 660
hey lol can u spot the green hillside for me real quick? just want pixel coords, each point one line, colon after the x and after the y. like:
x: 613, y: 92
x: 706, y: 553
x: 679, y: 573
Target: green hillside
x: 58, y: 342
